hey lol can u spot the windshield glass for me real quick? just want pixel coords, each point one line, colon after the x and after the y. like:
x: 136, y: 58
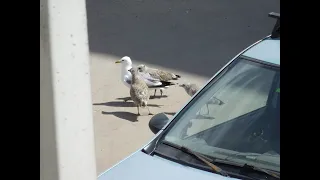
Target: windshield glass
x: 236, y: 117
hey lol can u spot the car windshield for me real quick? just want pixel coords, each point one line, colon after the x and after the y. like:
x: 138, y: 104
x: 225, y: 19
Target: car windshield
x: 236, y: 117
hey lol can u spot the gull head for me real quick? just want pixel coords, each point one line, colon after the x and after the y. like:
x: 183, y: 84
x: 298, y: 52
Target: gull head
x: 132, y: 71
x: 126, y: 61
x: 185, y: 85
x: 142, y: 68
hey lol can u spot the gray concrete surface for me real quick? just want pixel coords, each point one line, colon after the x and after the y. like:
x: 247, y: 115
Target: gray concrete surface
x: 194, y: 38
x: 197, y: 33
x: 118, y: 131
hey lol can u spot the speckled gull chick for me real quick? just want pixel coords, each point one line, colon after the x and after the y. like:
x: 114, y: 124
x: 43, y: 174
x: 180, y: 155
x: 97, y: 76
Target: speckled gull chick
x: 126, y: 77
x: 192, y: 89
x: 158, y: 74
x: 139, y: 92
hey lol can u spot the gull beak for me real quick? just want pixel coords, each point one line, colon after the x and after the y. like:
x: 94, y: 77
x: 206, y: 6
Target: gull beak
x: 119, y: 61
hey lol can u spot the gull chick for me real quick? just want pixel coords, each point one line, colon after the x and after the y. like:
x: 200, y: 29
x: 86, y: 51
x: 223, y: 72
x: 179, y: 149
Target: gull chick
x: 126, y: 77
x: 139, y: 91
x: 192, y: 89
x: 158, y: 74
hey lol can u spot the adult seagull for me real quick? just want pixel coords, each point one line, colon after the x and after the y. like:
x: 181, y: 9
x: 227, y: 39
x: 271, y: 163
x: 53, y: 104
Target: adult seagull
x: 126, y: 77
x: 158, y: 74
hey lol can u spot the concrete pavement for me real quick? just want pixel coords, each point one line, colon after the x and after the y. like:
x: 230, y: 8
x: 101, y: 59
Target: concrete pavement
x: 195, y: 36
x: 118, y: 131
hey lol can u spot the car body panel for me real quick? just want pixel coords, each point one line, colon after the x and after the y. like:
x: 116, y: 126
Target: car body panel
x: 143, y: 166
x: 267, y: 50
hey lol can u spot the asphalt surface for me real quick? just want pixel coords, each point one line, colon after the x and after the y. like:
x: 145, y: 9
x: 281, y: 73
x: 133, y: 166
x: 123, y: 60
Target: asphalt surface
x: 196, y: 36
x: 193, y: 38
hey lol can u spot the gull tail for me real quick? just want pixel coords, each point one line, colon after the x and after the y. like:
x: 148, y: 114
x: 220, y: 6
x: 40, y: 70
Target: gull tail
x: 167, y: 83
x: 176, y: 77
x: 164, y: 84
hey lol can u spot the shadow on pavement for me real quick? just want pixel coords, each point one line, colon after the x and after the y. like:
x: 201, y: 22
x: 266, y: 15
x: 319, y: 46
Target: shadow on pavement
x: 196, y: 37
x: 151, y: 97
x: 122, y: 104
x: 123, y: 115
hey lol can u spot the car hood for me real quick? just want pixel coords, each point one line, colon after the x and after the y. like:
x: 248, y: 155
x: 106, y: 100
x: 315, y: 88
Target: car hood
x: 143, y: 166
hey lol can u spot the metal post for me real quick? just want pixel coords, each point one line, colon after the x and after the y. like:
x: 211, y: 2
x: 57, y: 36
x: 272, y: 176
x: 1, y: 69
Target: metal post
x: 66, y: 126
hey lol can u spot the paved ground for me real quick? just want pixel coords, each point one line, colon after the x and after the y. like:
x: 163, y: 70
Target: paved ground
x: 195, y: 36
x: 118, y: 131
x: 192, y: 37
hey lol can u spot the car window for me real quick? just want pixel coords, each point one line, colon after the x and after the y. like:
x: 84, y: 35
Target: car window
x: 243, y: 89
x: 238, y: 112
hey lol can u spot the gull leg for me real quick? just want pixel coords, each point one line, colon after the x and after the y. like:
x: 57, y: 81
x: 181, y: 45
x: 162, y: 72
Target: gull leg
x: 138, y: 111
x: 149, y: 111
x: 155, y: 90
x: 161, y: 91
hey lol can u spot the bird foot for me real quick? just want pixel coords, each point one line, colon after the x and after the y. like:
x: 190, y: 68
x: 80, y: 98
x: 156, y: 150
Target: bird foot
x: 150, y: 113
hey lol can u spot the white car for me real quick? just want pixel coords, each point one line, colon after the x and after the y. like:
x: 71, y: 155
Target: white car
x: 239, y: 139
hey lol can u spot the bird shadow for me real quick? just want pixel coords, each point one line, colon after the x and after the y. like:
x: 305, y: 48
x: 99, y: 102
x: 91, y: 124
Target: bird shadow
x: 151, y: 97
x: 158, y: 96
x: 124, y: 98
x: 121, y: 104
x: 123, y: 115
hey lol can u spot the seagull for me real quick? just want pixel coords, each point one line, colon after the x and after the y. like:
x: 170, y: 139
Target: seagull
x: 126, y: 77
x: 192, y: 89
x: 158, y: 74
x: 139, y: 91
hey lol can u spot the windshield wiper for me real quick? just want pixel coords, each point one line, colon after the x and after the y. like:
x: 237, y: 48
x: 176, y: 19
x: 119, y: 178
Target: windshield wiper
x: 198, y: 156
x: 253, y: 167
x: 208, y: 161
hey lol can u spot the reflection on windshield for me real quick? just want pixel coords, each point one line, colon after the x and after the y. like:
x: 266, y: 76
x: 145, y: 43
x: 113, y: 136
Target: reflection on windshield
x: 235, y: 116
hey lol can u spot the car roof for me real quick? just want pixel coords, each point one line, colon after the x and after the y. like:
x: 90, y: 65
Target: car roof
x: 267, y: 50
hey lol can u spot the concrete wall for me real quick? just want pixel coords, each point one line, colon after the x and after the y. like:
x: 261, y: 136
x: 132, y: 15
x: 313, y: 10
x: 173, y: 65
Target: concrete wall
x: 66, y: 127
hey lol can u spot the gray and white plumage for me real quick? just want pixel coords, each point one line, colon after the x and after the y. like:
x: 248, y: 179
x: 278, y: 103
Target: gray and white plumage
x: 161, y: 75
x: 192, y: 89
x: 153, y: 82
x: 158, y: 74
x: 126, y: 77
x: 139, y: 92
